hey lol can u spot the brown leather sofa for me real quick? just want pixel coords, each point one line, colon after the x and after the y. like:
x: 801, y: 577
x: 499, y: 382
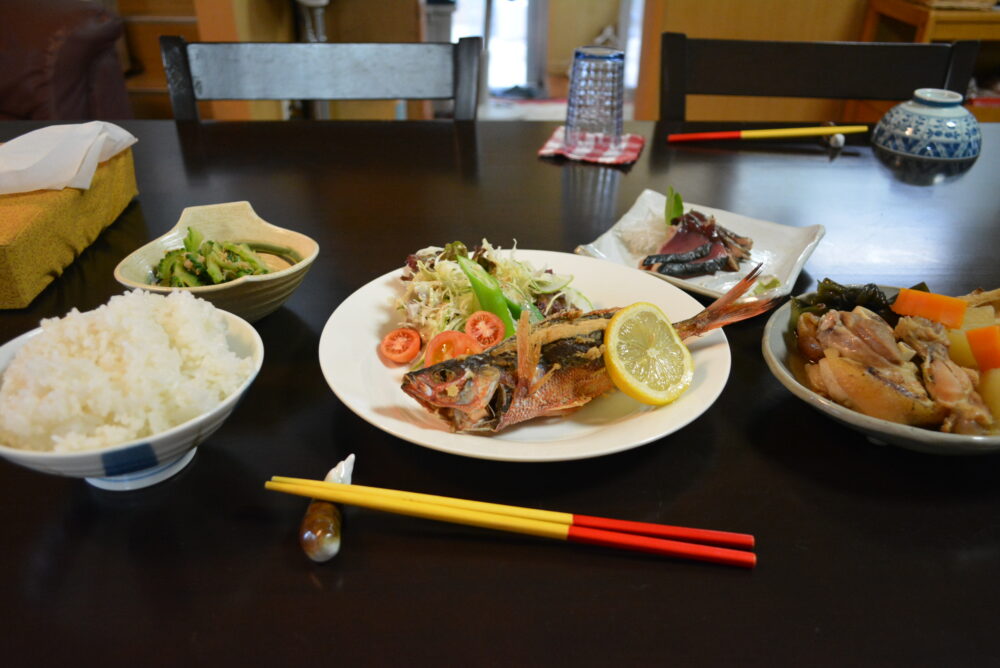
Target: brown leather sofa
x: 58, y: 61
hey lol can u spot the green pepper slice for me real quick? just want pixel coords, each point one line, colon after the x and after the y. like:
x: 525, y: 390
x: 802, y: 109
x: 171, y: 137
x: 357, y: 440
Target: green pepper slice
x: 488, y: 292
x: 534, y: 315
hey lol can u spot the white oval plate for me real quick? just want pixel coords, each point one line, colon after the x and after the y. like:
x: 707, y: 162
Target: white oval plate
x: 348, y: 356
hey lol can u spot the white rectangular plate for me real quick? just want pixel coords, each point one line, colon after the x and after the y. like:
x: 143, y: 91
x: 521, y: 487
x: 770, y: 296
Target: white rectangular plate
x: 641, y: 231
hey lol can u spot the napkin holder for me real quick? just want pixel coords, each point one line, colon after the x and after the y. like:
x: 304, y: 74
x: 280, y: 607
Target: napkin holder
x: 43, y: 231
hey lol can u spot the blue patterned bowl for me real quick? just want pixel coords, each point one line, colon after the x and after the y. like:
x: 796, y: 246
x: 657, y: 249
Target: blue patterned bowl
x: 933, y: 125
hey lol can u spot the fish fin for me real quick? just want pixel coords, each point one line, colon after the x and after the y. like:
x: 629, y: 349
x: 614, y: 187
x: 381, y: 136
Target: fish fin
x: 738, y: 312
x: 541, y: 381
x: 527, y: 355
x: 737, y: 290
x: 724, y: 311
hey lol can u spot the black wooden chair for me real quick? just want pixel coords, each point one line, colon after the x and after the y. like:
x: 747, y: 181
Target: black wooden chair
x: 829, y: 70
x: 323, y: 71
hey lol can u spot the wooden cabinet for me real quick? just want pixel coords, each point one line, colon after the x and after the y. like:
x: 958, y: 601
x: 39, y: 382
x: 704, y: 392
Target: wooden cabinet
x: 196, y: 20
x: 376, y: 21
x: 145, y: 21
x: 795, y: 20
x: 901, y: 20
x: 256, y: 21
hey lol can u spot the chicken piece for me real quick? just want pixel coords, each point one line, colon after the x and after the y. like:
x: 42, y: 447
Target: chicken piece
x: 889, y: 393
x: 864, y: 368
x: 806, y: 330
x: 862, y: 336
x: 951, y: 385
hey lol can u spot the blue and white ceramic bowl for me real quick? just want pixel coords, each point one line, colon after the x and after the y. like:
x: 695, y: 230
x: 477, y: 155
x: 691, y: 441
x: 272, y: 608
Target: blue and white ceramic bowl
x: 933, y: 125
x: 146, y: 461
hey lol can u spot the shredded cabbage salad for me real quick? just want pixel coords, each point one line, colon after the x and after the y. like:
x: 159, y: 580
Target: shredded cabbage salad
x: 438, y: 295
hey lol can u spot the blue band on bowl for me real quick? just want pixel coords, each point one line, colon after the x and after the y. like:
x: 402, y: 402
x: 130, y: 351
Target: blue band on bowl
x: 136, y: 458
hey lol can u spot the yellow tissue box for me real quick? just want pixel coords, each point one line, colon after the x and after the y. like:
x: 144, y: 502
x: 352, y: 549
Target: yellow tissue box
x: 43, y: 231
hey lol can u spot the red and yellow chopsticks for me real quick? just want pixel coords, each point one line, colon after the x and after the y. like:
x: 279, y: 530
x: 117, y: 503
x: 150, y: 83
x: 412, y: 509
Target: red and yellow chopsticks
x: 681, y: 542
x: 775, y: 133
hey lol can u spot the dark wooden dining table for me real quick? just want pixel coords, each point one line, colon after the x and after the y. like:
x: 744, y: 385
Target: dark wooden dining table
x: 868, y: 554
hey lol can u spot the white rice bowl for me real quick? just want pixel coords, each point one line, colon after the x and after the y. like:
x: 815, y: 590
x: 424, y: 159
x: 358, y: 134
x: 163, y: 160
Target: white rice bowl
x: 135, y: 367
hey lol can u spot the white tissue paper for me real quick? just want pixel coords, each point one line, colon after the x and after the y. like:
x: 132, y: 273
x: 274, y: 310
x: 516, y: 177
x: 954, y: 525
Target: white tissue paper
x: 59, y: 156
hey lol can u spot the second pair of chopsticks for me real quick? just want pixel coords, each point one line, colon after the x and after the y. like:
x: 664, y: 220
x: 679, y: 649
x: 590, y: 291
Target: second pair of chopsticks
x: 775, y: 133
x: 681, y: 542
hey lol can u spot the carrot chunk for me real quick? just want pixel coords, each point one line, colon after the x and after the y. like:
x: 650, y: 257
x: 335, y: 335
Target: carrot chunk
x: 949, y: 311
x: 985, y: 345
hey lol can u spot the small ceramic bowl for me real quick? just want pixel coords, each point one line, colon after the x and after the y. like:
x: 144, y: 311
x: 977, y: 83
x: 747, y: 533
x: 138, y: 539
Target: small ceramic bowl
x: 141, y: 463
x: 933, y: 125
x: 287, y: 253
x: 775, y: 349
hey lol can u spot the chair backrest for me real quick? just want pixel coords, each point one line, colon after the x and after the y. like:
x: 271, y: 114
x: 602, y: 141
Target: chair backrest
x: 833, y: 70
x: 325, y: 71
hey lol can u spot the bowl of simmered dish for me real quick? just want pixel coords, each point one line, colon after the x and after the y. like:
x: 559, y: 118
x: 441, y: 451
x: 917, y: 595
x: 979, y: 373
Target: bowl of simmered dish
x: 225, y: 254
x: 905, y: 367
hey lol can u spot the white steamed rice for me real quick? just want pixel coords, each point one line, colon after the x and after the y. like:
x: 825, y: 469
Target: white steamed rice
x: 136, y: 366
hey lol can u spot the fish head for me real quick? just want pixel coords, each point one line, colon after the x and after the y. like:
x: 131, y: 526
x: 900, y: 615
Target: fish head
x: 456, y: 391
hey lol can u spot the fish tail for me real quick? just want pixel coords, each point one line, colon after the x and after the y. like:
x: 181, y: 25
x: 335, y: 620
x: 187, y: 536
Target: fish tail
x: 724, y: 310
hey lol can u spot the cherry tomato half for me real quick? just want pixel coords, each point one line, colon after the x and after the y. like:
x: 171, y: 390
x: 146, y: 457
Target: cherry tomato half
x: 448, y: 345
x: 400, y: 345
x: 485, y: 327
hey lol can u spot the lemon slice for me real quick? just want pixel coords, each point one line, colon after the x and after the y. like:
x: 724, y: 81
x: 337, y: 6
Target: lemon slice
x: 644, y: 355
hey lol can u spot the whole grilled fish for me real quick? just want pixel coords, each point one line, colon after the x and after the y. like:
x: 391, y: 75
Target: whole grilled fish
x: 551, y: 368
